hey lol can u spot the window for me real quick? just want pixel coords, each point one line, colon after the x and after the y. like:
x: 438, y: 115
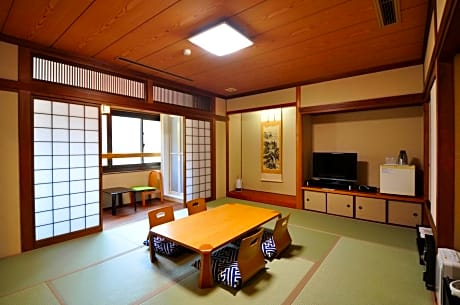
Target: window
x: 131, y: 141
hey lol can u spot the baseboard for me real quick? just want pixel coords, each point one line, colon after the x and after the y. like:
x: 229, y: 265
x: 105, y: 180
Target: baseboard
x: 264, y: 197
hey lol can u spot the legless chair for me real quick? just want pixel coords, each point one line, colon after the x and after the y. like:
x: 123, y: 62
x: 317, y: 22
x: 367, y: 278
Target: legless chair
x: 196, y: 206
x: 276, y: 241
x: 233, y: 267
x: 155, y: 185
x: 161, y: 245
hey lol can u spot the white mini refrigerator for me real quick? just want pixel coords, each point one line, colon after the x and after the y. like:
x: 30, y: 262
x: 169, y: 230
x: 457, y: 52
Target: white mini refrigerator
x: 397, y: 179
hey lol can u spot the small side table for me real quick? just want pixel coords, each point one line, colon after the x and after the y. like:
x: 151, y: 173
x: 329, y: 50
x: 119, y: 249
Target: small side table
x: 117, y: 192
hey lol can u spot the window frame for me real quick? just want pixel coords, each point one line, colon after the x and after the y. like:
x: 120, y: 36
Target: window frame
x: 110, y: 167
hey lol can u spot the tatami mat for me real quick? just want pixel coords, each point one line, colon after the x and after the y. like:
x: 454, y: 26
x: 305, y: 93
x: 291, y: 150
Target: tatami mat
x: 333, y: 260
x: 30, y: 268
x: 363, y: 273
x: 271, y: 286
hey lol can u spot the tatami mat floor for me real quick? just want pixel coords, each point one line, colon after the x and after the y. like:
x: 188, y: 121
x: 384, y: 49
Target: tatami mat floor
x: 333, y: 260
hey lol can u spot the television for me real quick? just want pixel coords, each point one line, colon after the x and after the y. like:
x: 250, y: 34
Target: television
x: 340, y: 167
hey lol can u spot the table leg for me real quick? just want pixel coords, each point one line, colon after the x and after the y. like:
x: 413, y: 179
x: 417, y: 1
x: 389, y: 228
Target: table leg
x: 120, y: 199
x: 114, y: 203
x: 206, y: 280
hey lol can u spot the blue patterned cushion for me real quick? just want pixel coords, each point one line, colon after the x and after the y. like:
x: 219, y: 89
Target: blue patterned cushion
x: 224, y: 264
x: 268, y: 245
x: 166, y: 247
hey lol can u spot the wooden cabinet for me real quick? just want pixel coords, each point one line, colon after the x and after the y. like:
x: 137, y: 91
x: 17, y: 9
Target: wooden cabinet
x: 339, y: 204
x: 370, y: 209
x: 385, y: 208
x: 404, y: 213
x: 314, y: 201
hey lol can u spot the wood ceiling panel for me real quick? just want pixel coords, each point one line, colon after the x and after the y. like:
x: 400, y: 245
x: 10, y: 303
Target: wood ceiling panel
x: 296, y: 41
x: 280, y: 36
x: 4, y: 10
x: 334, y: 41
x: 43, y: 21
x: 103, y: 24
x: 177, y: 23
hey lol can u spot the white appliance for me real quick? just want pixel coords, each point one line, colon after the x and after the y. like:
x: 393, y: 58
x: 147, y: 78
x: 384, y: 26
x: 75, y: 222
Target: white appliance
x: 447, y: 264
x: 397, y: 179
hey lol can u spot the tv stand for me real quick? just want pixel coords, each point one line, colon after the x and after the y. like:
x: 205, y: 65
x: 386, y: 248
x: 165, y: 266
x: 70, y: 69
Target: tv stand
x: 336, y: 185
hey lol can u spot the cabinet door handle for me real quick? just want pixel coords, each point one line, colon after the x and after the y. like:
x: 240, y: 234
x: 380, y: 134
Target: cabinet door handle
x: 360, y: 207
x: 348, y: 205
x: 415, y: 214
x: 308, y: 199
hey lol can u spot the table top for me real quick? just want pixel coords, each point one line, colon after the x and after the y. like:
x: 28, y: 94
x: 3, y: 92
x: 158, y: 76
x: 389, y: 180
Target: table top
x: 116, y: 190
x: 215, y: 227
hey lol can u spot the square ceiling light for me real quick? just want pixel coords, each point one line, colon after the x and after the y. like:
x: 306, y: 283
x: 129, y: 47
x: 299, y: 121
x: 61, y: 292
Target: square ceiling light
x: 221, y: 40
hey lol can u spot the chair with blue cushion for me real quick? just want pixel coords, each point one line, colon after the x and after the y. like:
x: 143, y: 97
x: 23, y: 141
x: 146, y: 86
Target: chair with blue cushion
x: 233, y: 267
x: 161, y: 245
x: 276, y: 241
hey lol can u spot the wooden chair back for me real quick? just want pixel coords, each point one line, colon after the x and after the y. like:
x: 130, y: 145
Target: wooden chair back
x: 196, y: 205
x: 281, y: 234
x: 250, y: 257
x: 160, y: 216
x: 156, y: 180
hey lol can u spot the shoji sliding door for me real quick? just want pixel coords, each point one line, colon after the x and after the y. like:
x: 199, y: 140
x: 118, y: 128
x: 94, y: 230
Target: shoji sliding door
x: 66, y: 168
x: 197, y: 159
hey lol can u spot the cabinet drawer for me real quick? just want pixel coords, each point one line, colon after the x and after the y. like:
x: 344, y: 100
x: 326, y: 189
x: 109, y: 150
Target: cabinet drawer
x: 404, y: 213
x: 340, y: 204
x: 315, y: 201
x: 370, y: 209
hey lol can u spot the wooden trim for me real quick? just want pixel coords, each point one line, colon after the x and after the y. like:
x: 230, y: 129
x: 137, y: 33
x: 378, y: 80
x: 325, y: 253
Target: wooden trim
x: 291, y: 104
x: 25, y: 172
x: 446, y: 155
x: 370, y: 104
x: 414, y: 199
x: 130, y: 155
x: 265, y: 197
x: 299, y: 145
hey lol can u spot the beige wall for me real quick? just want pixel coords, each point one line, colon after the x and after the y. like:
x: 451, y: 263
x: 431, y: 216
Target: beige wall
x: 8, y: 61
x: 457, y: 153
x: 374, y: 135
x: 262, y: 100
x: 10, y: 230
x: 234, y: 149
x: 440, y: 6
x: 221, y: 160
x: 251, y: 151
x: 395, y: 82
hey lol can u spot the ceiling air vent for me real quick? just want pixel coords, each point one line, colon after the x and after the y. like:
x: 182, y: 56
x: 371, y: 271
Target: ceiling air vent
x: 388, y: 12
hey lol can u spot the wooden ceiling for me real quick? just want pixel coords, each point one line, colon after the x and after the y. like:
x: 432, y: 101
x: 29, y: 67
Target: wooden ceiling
x: 295, y: 41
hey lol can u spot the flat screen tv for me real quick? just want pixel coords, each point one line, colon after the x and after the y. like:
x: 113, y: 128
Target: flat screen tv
x: 335, y: 166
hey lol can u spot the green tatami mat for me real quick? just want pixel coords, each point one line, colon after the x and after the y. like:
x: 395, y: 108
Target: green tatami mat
x: 363, y: 273
x: 395, y: 236
x: 39, y: 294
x: 271, y: 286
x: 30, y: 268
x: 122, y: 280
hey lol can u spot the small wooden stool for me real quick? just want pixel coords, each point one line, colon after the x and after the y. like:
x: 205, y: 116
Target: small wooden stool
x: 144, y: 190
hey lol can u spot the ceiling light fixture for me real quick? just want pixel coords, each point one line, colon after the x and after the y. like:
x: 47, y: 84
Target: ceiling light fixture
x: 221, y: 40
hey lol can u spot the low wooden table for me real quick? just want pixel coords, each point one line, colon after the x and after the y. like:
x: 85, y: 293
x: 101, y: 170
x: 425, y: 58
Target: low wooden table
x: 117, y: 192
x: 209, y: 230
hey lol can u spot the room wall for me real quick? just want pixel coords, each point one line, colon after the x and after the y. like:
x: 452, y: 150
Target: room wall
x: 374, y: 135
x: 234, y: 149
x: 394, y: 82
x: 251, y: 152
x: 262, y: 100
x: 10, y: 226
x: 221, y: 160
x: 8, y: 61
